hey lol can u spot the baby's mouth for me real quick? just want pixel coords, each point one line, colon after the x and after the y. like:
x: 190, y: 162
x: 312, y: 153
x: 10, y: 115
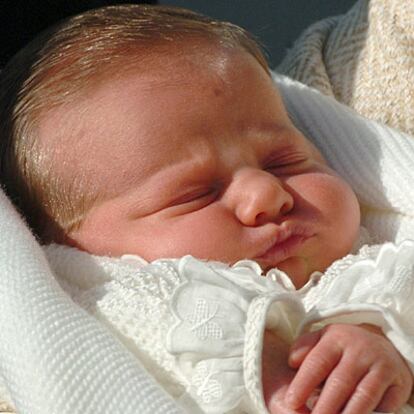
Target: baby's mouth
x: 286, y: 244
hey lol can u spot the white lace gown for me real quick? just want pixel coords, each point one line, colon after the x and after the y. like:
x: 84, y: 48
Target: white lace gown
x: 198, y: 326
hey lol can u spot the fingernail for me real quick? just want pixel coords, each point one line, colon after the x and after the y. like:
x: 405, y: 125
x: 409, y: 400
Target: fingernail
x: 312, y: 402
x: 313, y: 399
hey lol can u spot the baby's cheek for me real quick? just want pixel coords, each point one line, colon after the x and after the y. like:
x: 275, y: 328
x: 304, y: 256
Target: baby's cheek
x: 343, y: 212
x: 348, y: 205
x: 328, y: 192
x: 210, y: 233
x: 331, y: 202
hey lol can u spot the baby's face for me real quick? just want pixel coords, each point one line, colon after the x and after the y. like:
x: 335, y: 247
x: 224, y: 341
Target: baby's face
x: 203, y: 160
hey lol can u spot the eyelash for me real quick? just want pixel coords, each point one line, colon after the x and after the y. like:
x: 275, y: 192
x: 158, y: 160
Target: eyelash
x: 195, y: 196
x: 285, y: 162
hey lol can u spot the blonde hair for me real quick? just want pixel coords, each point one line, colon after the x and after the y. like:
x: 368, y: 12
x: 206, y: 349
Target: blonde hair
x: 60, y: 63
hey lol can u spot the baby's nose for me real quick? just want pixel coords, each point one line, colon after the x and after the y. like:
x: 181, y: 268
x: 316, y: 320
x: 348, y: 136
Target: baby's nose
x: 260, y: 197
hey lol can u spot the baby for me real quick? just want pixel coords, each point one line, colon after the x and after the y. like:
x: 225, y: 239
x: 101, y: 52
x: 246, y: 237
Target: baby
x: 159, y: 132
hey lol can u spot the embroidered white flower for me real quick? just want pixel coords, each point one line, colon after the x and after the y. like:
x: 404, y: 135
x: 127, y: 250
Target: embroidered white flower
x: 202, y: 320
x: 206, y: 383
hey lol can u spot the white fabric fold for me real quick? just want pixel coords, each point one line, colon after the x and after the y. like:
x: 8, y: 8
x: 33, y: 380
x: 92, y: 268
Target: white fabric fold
x: 221, y: 313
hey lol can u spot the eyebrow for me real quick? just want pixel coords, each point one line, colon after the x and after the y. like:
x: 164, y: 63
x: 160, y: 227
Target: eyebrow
x: 173, y: 176
x: 269, y: 130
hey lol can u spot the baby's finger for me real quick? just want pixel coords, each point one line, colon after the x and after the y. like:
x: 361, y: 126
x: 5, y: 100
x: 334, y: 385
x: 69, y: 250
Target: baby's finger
x: 279, y: 407
x: 367, y: 394
x: 394, y: 398
x: 313, y: 372
x: 338, y: 389
x: 301, y: 348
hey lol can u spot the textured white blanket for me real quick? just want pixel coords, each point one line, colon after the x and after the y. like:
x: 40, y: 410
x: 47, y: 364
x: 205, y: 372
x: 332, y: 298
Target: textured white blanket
x: 56, y: 359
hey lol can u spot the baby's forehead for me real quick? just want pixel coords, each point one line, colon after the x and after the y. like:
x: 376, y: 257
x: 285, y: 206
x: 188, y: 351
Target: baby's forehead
x: 170, y: 73
x: 173, y: 69
x: 206, y: 71
x: 175, y: 62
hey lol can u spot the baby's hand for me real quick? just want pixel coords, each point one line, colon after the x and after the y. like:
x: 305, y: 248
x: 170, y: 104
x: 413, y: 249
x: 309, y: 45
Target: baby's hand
x: 357, y: 367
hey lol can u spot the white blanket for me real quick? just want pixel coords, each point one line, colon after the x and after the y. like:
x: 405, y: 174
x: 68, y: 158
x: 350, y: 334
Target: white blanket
x: 56, y: 359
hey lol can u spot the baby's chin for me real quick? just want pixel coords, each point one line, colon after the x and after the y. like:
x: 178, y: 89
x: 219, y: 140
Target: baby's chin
x: 297, y: 268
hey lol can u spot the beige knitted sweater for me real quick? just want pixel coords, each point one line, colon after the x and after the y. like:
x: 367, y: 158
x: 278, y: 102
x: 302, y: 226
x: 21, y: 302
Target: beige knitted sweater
x: 364, y: 58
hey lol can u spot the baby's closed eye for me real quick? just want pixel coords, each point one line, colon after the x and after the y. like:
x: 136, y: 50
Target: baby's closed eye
x: 292, y: 163
x: 195, y: 199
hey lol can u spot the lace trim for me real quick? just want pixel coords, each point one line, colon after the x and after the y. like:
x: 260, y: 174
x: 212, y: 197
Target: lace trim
x: 386, y: 279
